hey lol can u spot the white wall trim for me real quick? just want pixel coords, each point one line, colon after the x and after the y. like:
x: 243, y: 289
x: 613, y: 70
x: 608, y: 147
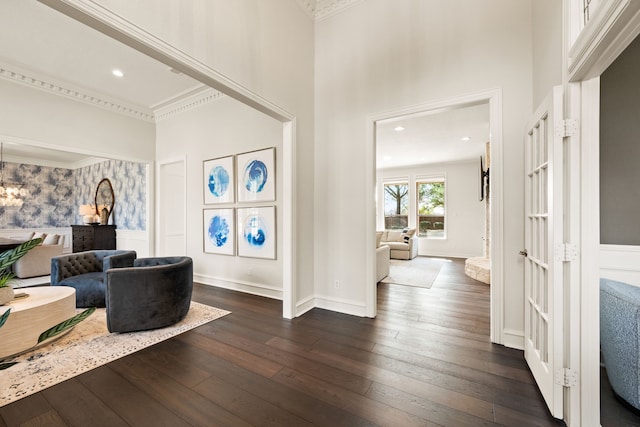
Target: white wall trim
x: 589, y: 314
x: 305, y: 305
x: 118, y: 28
x: 615, y: 24
x: 325, y: 9
x: 621, y: 263
x: 253, y: 288
x: 47, y: 84
x: 354, y: 308
x: 189, y: 102
x: 494, y: 98
x: 513, y: 339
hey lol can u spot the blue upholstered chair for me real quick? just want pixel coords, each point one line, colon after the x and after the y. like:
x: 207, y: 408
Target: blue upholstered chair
x: 154, y: 293
x: 620, y: 338
x: 85, y: 271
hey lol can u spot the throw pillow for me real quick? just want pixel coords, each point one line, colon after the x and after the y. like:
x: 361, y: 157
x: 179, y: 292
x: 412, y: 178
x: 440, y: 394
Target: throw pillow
x: 39, y: 236
x: 407, y: 234
x: 51, y: 239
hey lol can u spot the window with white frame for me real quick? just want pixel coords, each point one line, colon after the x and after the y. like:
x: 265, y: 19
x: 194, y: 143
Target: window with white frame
x: 396, y: 205
x: 430, y: 204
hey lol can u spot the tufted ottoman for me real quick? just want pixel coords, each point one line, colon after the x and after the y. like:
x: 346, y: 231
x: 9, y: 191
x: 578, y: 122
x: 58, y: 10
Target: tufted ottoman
x: 85, y: 271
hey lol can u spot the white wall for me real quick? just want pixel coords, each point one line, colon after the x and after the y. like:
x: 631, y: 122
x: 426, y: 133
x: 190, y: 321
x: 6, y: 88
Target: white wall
x: 32, y: 114
x: 547, y: 48
x: 218, y: 129
x: 464, y: 212
x: 266, y: 46
x: 379, y: 56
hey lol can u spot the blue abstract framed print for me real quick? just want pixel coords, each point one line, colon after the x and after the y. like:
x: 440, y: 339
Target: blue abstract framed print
x: 257, y: 232
x: 218, y: 183
x: 256, y: 176
x: 219, y: 231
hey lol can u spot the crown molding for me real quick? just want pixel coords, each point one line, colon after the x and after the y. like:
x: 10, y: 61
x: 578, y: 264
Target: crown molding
x: 46, y: 84
x: 323, y: 9
x: 309, y: 7
x: 186, y: 102
x: 327, y: 8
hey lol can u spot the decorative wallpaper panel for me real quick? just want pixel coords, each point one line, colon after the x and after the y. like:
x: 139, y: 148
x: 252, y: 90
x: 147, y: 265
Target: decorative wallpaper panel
x: 56, y: 194
x: 129, y: 181
x: 50, y: 202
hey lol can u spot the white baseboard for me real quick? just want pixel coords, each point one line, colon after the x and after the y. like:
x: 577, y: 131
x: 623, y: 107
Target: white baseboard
x: 447, y: 254
x: 305, y: 305
x: 355, y: 308
x: 621, y: 263
x: 259, y: 289
x: 513, y: 339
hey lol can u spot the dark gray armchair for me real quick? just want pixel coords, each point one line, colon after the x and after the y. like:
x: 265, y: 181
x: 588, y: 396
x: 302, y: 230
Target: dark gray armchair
x: 154, y: 293
x: 85, y: 271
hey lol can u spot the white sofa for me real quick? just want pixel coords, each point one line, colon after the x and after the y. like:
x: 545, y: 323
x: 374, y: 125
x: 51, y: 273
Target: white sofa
x: 382, y: 262
x: 37, y: 262
x: 403, y: 243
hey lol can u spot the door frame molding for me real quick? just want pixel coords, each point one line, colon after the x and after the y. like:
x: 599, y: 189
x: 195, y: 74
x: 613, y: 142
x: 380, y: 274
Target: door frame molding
x: 494, y: 98
x: 613, y: 27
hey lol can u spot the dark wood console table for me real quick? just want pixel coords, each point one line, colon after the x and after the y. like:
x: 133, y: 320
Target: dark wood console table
x: 90, y: 237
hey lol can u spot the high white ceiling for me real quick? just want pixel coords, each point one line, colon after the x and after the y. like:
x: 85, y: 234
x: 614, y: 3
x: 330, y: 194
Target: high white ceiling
x: 47, y: 45
x: 53, y: 45
x: 433, y: 137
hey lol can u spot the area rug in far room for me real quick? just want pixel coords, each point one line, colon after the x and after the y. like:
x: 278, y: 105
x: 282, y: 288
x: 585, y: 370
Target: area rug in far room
x: 420, y: 271
x: 87, y: 346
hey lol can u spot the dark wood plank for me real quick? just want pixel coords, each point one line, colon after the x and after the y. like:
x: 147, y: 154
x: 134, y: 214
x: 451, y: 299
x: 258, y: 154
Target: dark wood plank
x: 426, y: 360
x: 131, y: 403
x: 71, y: 395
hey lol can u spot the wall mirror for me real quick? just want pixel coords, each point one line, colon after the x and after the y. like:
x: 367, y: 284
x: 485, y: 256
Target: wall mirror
x: 105, y: 199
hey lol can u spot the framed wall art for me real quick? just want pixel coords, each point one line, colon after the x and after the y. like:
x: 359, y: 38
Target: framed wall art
x: 218, y: 180
x: 256, y: 176
x: 219, y: 231
x: 257, y: 232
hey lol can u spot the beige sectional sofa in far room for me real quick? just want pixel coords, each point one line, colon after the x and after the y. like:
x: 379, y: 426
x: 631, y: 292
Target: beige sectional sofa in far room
x: 37, y: 262
x: 403, y: 243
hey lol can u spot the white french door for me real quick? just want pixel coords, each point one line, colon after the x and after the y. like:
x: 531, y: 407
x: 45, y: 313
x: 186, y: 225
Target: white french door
x: 543, y: 244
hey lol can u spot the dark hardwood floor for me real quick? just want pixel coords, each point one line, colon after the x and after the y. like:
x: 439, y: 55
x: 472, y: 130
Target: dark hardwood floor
x: 426, y: 360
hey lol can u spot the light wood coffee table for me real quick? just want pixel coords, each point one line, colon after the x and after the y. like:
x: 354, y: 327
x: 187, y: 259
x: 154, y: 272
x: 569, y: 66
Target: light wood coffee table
x: 45, y: 306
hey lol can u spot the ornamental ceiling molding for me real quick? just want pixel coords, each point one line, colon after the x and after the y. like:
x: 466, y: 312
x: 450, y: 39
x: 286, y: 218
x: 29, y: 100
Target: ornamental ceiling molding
x: 36, y: 82
x: 194, y: 100
x: 323, y: 9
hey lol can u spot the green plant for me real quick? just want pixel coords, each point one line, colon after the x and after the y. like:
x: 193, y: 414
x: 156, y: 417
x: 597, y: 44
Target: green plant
x: 7, y: 258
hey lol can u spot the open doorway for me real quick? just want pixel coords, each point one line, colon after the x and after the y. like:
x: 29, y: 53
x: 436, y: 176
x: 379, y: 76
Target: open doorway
x: 431, y: 200
x: 430, y: 169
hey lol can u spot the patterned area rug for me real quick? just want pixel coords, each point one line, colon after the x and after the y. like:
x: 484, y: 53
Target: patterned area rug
x: 88, y: 345
x: 420, y: 271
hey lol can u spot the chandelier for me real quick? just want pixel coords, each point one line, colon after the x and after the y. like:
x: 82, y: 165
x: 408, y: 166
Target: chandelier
x: 10, y: 194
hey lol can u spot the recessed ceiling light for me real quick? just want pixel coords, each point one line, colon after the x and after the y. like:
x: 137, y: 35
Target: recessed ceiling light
x: 466, y: 138
x: 398, y: 128
x: 117, y: 73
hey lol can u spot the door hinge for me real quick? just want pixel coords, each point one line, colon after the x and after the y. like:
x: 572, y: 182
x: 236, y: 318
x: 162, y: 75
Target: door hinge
x: 566, y: 252
x: 566, y: 127
x: 566, y: 377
